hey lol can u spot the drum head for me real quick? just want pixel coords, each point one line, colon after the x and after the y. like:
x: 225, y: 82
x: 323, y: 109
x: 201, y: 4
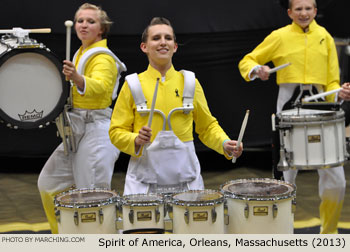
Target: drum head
x: 81, y: 198
x: 33, y: 90
x: 309, y: 115
x: 267, y: 189
x: 198, y: 197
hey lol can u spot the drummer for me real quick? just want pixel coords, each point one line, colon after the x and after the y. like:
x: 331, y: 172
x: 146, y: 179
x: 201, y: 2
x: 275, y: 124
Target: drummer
x: 170, y: 160
x: 92, y: 164
x: 311, y: 51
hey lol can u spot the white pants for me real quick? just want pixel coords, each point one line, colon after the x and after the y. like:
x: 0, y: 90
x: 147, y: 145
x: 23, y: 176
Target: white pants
x: 93, y: 163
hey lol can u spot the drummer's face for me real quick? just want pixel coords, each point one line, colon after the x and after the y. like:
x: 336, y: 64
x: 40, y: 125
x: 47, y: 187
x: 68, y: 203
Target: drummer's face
x: 302, y: 12
x: 88, y: 26
x: 160, y: 45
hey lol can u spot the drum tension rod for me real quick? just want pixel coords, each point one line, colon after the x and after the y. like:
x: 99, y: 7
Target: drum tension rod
x: 100, y: 215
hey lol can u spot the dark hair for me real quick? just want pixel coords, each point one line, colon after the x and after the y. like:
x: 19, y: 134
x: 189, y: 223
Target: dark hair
x: 156, y: 21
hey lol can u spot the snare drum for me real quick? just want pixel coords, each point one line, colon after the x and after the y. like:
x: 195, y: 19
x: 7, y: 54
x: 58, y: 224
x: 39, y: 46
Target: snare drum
x: 198, y: 212
x: 259, y: 206
x: 311, y: 139
x: 87, y: 211
x: 33, y: 91
x: 142, y: 213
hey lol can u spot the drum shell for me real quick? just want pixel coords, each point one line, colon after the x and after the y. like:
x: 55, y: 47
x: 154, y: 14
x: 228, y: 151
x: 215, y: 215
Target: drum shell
x: 314, y: 141
x: 198, y: 227
x: 259, y: 206
x: 87, y: 211
x: 67, y: 225
x: 192, y: 212
x: 253, y: 224
x: 142, y: 213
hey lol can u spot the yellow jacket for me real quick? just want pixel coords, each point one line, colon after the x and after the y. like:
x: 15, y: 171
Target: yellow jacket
x: 126, y: 121
x: 100, y: 77
x: 312, y: 55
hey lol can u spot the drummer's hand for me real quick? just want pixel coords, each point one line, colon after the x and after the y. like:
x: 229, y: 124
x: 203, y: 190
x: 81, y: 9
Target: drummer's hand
x: 144, y: 137
x: 345, y: 92
x: 263, y: 72
x: 231, y: 148
x: 71, y: 74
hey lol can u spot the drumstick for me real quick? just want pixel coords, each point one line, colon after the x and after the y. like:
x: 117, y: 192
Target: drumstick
x: 16, y: 30
x: 68, y: 25
x: 272, y: 70
x: 241, y: 133
x: 313, y: 97
x: 153, y: 104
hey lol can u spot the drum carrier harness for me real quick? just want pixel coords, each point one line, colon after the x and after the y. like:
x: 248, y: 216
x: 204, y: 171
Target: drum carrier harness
x: 63, y: 121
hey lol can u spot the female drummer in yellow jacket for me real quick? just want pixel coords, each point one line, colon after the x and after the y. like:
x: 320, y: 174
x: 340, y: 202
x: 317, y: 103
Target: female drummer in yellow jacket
x: 92, y: 164
x: 129, y: 132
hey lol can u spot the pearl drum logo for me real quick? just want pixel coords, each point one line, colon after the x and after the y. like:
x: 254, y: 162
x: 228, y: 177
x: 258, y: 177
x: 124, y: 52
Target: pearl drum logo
x: 31, y: 116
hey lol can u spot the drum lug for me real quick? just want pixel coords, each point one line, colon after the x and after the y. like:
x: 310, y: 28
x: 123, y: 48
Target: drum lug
x: 187, y: 216
x: 274, y: 210
x: 168, y: 225
x: 170, y: 211
x: 58, y: 215
x: 100, y: 215
x: 246, y: 211
x: 131, y: 216
x: 226, y: 216
x: 294, y: 205
x: 76, y: 218
x: 213, y: 215
x: 157, y: 214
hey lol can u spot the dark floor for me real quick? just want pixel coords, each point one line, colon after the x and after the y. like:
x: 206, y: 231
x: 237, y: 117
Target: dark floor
x: 21, y: 209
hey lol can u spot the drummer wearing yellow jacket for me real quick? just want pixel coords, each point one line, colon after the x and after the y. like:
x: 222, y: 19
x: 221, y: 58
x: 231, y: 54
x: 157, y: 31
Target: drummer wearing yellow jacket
x: 91, y: 165
x: 163, y: 158
x: 311, y: 51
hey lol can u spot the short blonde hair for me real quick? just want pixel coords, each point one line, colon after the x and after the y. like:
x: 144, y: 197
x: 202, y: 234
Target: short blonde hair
x: 290, y: 2
x: 105, y: 21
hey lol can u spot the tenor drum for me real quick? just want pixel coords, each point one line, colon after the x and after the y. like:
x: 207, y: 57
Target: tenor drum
x: 87, y: 211
x: 311, y: 139
x: 33, y: 91
x: 259, y: 206
x: 198, y: 212
x: 142, y: 213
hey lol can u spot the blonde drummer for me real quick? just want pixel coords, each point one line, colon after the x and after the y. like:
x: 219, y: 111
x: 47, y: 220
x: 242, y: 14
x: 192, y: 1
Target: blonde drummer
x: 176, y: 165
x: 91, y: 165
x: 312, y: 55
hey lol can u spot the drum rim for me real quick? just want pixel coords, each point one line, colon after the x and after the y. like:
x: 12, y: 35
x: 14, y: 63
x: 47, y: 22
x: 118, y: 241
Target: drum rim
x: 327, y: 115
x: 233, y: 195
x: 159, y: 200
x: 60, y: 104
x: 89, y: 204
x: 212, y: 202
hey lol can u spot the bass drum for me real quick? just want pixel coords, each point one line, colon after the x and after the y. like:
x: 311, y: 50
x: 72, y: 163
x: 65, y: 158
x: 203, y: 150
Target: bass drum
x: 33, y: 91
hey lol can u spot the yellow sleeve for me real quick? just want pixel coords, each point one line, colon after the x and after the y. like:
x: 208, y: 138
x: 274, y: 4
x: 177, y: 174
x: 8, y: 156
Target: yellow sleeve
x: 100, y: 75
x: 333, y: 78
x: 261, y: 55
x: 121, y: 131
x: 206, y: 125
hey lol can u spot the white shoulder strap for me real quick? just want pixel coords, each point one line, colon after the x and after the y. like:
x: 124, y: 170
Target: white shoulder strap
x: 189, y: 87
x: 97, y: 50
x: 136, y: 91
